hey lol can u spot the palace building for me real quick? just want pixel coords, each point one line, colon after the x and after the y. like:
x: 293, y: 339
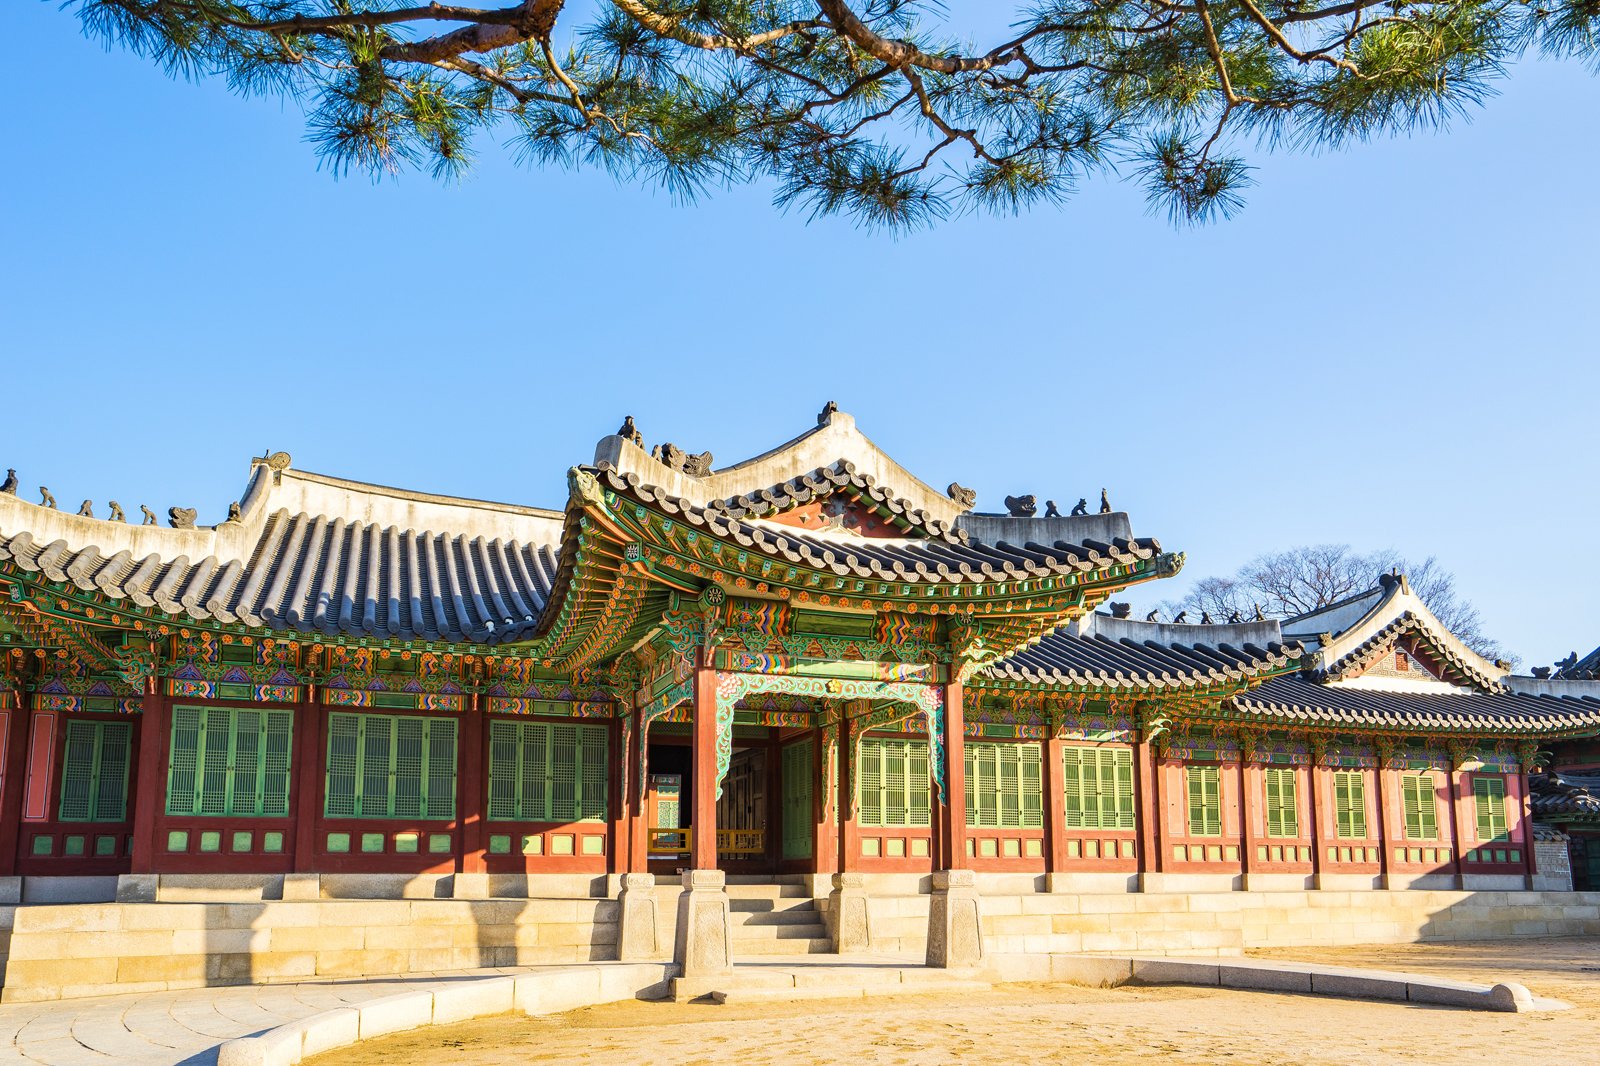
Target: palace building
x: 807, y: 669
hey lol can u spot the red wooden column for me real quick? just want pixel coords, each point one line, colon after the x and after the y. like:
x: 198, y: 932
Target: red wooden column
x: 638, y: 817
x: 627, y: 837
x: 1460, y: 798
x: 1252, y: 788
x: 826, y: 833
x: 1149, y: 810
x: 1321, y: 804
x: 847, y: 836
x: 1055, y: 806
x: 149, y: 786
x: 1387, y: 833
x: 13, y: 772
x: 310, y: 752
x: 703, y: 826
x: 1525, y: 817
x: 472, y: 793
x: 951, y: 836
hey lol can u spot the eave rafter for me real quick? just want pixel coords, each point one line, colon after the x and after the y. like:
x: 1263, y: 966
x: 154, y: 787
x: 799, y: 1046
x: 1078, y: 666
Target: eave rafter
x: 47, y: 622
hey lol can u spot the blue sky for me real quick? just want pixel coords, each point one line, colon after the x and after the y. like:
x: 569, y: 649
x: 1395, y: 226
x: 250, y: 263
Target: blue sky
x: 1392, y: 346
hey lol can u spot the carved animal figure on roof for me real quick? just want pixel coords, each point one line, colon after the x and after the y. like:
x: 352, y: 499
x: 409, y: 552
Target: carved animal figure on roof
x: 116, y: 512
x: 86, y: 510
x: 1259, y: 616
x: 1205, y: 618
x: 1120, y: 610
x: 149, y: 515
x: 234, y: 514
x: 829, y: 409
x: 1151, y: 617
x: 1182, y: 617
x: 1022, y: 506
x: 630, y: 432
x: 45, y: 499
x: 697, y: 465
x: 963, y: 496
x: 1105, y: 502
x: 10, y: 486
x: 1568, y: 663
x: 1050, y: 509
x: 1081, y: 508
x: 1542, y: 673
x: 181, y: 517
x: 1233, y: 618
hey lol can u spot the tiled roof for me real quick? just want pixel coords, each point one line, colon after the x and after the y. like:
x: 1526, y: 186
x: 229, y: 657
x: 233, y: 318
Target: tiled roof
x: 1565, y: 795
x: 1585, y: 669
x: 842, y: 476
x: 1297, y: 700
x: 315, y: 573
x: 1122, y: 654
x: 897, y: 559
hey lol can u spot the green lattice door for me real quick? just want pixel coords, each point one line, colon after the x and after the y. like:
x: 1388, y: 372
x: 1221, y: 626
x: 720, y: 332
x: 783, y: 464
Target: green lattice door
x: 798, y: 817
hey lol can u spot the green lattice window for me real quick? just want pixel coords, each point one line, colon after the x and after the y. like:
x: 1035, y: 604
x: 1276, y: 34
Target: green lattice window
x: 1350, y: 804
x: 1489, y: 801
x: 1099, y: 787
x: 547, y: 771
x: 94, y: 772
x: 1283, y: 807
x: 1205, y: 800
x: 893, y: 784
x: 1003, y: 789
x: 799, y: 817
x: 228, y: 761
x: 389, y: 766
x: 1421, y: 809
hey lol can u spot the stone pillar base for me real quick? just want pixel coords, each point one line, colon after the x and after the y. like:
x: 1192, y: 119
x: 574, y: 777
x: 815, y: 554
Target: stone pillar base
x: 138, y: 888
x: 704, y: 945
x: 470, y: 886
x: 302, y: 886
x: 955, y: 933
x: 11, y: 890
x: 638, y: 919
x: 848, y: 915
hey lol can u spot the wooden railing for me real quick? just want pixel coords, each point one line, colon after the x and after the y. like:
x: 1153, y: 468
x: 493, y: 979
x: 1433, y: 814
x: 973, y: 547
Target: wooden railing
x: 729, y: 841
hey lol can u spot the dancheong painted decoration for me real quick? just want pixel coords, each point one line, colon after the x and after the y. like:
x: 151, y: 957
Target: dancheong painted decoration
x: 809, y: 662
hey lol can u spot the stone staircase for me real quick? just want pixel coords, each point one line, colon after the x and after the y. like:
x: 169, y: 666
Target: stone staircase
x: 775, y: 915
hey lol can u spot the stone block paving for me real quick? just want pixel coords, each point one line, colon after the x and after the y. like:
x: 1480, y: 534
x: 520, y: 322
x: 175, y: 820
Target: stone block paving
x: 184, y: 1028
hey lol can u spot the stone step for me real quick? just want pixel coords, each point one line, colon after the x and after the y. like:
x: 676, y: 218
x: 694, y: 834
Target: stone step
x: 768, y: 891
x: 751, y: 933
x: 766, y: 879
x: 789, y: 903
x: 796, y: 916
x: 783, y: 946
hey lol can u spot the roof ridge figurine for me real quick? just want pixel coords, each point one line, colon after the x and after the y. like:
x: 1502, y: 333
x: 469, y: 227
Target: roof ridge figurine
x: 630, y: 432
x: 829, y: 409
x: 1022, y: 506
x: 45, y: 499
x: 10, y: 486
x: 86, y: 510
x: 1105, y: 502
x: 963, y: 496
x: 116, y: 513
x: 181, y: 517
x: 1080, y: 508
x: 1050, y: 509
x: 1181, y: 618
x: 149, y: 515
x: 1151, y: 617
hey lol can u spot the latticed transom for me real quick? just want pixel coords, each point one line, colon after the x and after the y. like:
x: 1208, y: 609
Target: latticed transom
x: 1421, y: 808
x: 1205, y: 800
x: 391, y: 766
x: 1099, y: 787
x: 1489, y: 802
x: 1283, y: 814
x: 1350, y: 804
x: 547, y: 772
x: 894, y: 783
x: 94, y: 772
x: 798, y: 817
x: 227, y: 761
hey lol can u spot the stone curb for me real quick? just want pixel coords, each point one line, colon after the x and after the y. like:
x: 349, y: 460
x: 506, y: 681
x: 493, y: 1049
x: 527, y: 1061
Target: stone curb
x: 1264, y: 976
x: 547, y: 990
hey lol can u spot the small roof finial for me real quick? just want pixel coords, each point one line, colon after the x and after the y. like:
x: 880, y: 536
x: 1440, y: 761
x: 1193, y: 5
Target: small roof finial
x: 829, y: 409
x: 1105, y: 502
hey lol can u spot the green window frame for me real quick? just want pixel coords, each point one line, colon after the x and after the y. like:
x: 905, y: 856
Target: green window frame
x: 548, y: 771
x: 1003, y: 787
x: 229, y: 762
x: 1098, y: 783
x: 94, y: 772
x: 1350, y: 804
x: 1417, y: 794
x: 1204, y: 785
x: 799, y: 815
x: 390, y: 766
x: 1489, y: 804
x: 1283, y: 802
x: 893, y: 785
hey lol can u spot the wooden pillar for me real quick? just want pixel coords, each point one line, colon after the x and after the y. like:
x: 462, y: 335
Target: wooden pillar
x: 1055, y: 806
x: 1150, y: 808
x: 1460, y: 797
x: 1321, y: 778
x: 149, y: 785
x: 310, y: 753
x: 638, y: 843
x: 13, y: 773
x: 1386, y: 829
x: 847, y: 834
x: 1252, y: 789
x: 703, y: 823
x: 471, y: 794
x: 951, y: 836
x: 1525, y: 819
x: 825, y: 831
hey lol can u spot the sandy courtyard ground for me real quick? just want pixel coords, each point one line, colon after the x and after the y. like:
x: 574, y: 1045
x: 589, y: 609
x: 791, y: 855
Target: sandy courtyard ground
x: 1064, y: 1023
